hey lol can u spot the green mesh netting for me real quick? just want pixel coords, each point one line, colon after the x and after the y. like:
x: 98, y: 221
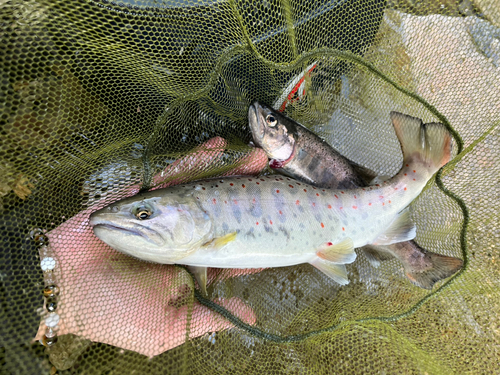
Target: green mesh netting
x: 99, y: 99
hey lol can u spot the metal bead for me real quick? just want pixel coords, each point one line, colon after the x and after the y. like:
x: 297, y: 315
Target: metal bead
x: 41, y: 239
x: 35, y: 232
x: 49, y: 341
x: 52, y: 320
x: 51, y: 291
x: 51, y: 304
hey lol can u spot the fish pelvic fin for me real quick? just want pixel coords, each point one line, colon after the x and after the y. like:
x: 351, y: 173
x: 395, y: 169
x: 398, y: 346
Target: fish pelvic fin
x: 340, y: 253
x: 422, y: 143
x: 337, y: 272
x: 374, y: 255
x: 221, y: 241
x: 200, y: 274
x: 401, y: 229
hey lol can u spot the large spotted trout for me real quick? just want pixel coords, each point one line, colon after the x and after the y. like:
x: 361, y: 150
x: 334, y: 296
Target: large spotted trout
x: 295, y: 151
x: 275, y: 221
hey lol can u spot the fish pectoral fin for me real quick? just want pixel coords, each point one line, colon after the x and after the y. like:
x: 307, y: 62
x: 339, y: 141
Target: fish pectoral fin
x: 365, y: 173
x: 221, y: 241
x: 200, y: 274
x: 337, y: 272
x: 340, y: 253
x: 376, y: 254
x: 401, y: 229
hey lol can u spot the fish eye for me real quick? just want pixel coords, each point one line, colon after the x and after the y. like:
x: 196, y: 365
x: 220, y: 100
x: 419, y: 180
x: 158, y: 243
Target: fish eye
x: 271, y: 120
x: 143, y: 213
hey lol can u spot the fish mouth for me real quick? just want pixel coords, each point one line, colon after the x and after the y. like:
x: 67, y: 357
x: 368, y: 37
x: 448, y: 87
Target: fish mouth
x: 254, y: 122
x: 145, y: 233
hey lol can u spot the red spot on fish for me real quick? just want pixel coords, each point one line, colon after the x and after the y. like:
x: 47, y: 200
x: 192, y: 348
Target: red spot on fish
x: 323, y: 190
x: 281, y: 213
x: 277, y: 191
x: 414, y: 180
x: 407, y: 165
x: 231, y: 184
x: 405, y: 189
x: 414, y: 171
x: 203, y: 188
x: 242, y: 185
x: 258, y: 183
x: 330, y: 206
x: 341, y: 208
x: 262, y: 179
x: 336, y: 196
x: 225, y: 202
x: 271, y: 222
x: 250, y: 179
x: 298, y: 183
x: 291, y: 186
x: 389, y: 202
x: 406, y: 174
x: 322, y: 225
x: 314, y: 188
x: 328, y: 243
x: 395, y: 188
x: 342, y: 192
x: 383, y: 204
x: 314, y: 204
x: 343, y: 228
x: 235, y: 201
x: 257, y: 223
x: 354, y: 197
x: 369, y: 204
x: 381, y: 196
x: 305, y: 190
x: 377, y: 185
x: 364, y: 189
x: 214, y: 200
x: 253, y: 200
x: 317, y: 194
x: 297, y: 203
x: 355, y: 207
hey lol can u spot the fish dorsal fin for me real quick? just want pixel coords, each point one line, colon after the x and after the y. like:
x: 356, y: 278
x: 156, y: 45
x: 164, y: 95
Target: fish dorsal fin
x: 365, y: 173
x: 200, y: 274
x: 340, y: 253
x: 337, y: 272
x: 401, y: 229
x: 219, y: 242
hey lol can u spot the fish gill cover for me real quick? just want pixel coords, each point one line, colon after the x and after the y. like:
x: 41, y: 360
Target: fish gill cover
x: 101, y: 99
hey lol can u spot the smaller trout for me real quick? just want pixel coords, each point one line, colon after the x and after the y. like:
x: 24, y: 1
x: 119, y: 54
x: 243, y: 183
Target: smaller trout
x: 297, y: 152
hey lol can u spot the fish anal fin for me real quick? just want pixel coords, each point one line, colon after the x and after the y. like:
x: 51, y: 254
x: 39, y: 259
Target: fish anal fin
x: 340, y: 253
x: 200, y: 274
x: 337, y: 272
x: 401, y: 229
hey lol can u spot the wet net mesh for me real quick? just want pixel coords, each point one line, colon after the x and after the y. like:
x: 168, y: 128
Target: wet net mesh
x: 100, y: 99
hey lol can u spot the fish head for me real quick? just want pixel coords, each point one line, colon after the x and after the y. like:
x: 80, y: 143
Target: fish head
x: 153, y: 226
x: 272, y: 131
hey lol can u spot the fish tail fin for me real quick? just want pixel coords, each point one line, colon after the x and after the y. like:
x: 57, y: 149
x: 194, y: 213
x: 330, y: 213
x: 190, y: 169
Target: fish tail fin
x: 440, y: 267
x: 429, y: 144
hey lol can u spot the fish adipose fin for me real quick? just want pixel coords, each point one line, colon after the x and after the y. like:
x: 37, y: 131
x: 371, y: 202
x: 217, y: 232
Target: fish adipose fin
x: 365, y: 173
x: 200, y: 274
x: 401, y: 229
x: 425, y: 143
x: 337, y: 272
x: 341, y: 253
